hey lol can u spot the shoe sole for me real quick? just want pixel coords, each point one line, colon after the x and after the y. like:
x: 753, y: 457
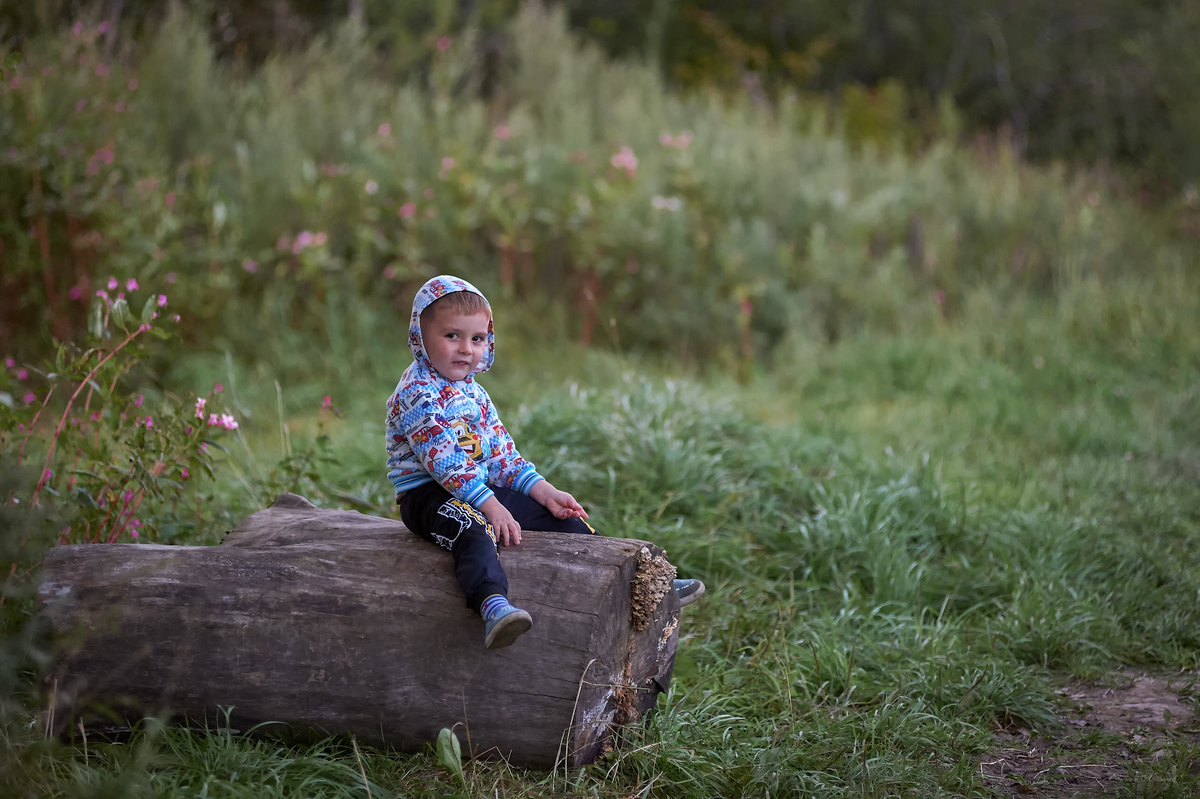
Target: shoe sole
x: 509, y: 629
x: 684, y: 601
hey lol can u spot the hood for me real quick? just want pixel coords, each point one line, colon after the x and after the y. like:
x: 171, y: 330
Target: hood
x: 433, y: 289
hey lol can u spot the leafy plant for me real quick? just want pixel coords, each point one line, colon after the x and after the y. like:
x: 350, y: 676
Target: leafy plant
x: 449, y: 754
x: 116, y: 463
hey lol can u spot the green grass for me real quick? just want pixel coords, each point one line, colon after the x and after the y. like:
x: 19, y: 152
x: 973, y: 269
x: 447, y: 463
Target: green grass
x: 907, y: 542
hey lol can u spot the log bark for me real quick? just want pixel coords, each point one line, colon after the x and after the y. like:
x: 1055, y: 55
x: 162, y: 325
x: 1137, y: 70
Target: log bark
x: 336, y: 622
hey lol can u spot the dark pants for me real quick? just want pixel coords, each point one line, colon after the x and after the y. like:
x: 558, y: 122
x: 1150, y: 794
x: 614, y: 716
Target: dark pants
x: 432, y: 513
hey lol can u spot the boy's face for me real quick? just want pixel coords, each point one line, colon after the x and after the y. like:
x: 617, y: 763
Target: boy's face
x: 455, y: 342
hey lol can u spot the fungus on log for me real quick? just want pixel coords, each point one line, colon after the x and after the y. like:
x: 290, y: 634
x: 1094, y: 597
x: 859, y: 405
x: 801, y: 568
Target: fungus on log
x: 337, y: 622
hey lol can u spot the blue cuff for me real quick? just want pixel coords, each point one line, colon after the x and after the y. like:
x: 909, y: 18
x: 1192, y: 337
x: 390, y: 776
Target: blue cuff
x: 479, y: 495
x: 526, y: 480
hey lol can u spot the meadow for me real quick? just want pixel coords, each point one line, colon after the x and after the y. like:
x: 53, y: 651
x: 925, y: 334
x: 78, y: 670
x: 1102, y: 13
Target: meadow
x: 924, y: 419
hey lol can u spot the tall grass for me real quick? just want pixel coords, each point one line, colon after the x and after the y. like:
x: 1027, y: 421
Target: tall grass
x: 728, y: 226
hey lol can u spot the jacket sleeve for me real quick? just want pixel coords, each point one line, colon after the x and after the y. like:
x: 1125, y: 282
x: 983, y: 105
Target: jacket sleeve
x: 504, y: 464
x: 436, y: 447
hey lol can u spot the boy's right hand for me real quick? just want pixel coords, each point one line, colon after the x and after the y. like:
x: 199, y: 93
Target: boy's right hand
x: 508, y: 532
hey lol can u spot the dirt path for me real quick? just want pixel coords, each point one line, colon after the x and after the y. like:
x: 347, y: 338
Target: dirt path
x: 1113, y: 736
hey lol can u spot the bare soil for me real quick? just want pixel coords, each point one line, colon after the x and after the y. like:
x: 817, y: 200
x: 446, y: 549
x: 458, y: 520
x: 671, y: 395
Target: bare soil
x: 1109, y: 731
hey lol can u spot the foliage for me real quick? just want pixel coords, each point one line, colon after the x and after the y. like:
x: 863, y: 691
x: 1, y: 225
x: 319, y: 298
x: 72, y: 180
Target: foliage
x: 304, y: 198
x: 118, y: 468
x: 1105, y: 82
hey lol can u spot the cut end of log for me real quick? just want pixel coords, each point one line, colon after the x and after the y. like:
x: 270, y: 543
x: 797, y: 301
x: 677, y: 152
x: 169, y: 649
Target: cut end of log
x: 651, y: 583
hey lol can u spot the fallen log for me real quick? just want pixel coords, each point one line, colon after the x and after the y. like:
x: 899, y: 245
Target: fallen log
x: 336, y: 622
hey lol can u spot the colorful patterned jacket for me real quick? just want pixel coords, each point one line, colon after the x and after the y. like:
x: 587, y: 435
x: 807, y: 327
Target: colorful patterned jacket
x: 449, y: 431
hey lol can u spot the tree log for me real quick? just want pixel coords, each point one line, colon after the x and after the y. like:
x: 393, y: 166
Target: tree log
x: 336, y: 622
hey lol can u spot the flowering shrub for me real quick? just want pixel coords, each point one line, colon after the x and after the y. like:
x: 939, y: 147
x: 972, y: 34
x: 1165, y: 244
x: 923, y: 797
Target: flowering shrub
x: 115, y: 463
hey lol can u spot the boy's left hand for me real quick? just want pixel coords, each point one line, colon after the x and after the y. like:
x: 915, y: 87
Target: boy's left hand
x: 560, y: 504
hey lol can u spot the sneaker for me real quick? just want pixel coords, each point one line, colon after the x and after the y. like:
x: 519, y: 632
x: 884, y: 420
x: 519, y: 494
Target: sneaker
x: 506, y: 626
x: 688, y: 591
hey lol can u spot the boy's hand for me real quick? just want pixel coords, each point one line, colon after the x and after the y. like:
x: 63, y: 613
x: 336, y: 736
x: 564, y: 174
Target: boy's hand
x: 560, y: 504
x: 508, y: 532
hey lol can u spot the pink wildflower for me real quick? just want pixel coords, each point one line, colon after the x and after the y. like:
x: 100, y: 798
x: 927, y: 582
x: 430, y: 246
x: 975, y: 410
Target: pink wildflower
x: 200, y: 403
x: 104, y: 155
x: 224, y: 421
x: 22, y: 374
x: 217, y: 387
x: 408, y: 210
x: 326, y: 403
x: 626, y: 160
x: 9, y: 362
x: 680, y: 142
x: 184, y: 473
x: 250, y: 265
x: 76, y: 292
x: 113, y: 285
x: 30, y: 398
x: 384, y: 130
x: 304, y: 239
x: 149, y: 423
x: 137, y: 403
x: 162, y: 300
x: 443, y: 43
x: 131, y: 284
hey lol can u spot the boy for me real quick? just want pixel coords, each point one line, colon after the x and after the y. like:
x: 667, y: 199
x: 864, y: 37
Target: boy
x: 459, y: 479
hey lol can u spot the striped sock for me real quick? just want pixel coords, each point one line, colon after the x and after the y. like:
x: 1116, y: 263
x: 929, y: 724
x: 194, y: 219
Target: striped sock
x: 491, y: 605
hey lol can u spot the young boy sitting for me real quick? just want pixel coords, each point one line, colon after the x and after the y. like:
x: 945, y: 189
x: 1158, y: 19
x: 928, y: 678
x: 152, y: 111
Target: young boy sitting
x: 459, y: 479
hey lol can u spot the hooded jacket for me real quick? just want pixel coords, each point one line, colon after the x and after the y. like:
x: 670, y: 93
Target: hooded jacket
x: 449, y: 430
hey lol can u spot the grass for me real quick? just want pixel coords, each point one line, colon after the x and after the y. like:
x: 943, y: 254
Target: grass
x: 908, y: 542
